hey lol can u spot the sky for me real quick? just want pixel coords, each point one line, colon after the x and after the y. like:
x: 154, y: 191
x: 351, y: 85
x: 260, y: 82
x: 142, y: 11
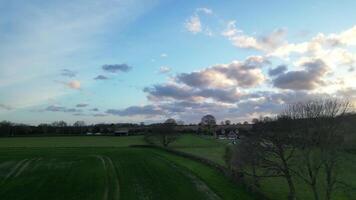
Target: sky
x: 117, y: 61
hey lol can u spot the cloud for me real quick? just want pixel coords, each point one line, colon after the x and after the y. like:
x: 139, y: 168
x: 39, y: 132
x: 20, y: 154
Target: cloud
x: 307, y: 79
x: 75, y: 84
x: 81, y: 105
x: 101, y: 77
x: 94, y: 109
x: 193, y: 23
x: 148, y: 110
x: 318, y: 44
x: 5, y: 107
x: 175, y: 92
x: 117, y: 68
x: 55, y: 108
x: 238, y: 74
x: 264, y: 43
x: 100, y: 115
x: 207, y: 11
x: 219, y: 83
x: 68, y: 73
x: 164, y: 69
x: 171, y: 91
x: 278, y: 70
x: 164, y: 55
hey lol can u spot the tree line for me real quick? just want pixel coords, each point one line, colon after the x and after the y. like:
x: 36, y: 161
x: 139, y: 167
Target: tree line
x: 306, y: 142
x: 60, y: 128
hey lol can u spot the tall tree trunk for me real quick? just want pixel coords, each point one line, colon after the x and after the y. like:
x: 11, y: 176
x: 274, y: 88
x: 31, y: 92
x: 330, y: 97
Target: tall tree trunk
x: 315, y: 192
x: 291, y: 195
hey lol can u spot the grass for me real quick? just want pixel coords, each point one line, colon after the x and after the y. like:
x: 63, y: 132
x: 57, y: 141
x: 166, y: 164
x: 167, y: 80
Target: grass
x: 203, y: 146
x: 71, y: 141
x: 104, y: 168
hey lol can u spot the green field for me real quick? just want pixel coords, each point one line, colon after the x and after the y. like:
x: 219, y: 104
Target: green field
x: 104, y: 168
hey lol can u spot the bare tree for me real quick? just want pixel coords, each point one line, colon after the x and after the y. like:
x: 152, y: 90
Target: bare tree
x: 80, y: 125
x: 166, y: 132
x: 246, y: 158
x: 319, y: 135
x: 267, y: 151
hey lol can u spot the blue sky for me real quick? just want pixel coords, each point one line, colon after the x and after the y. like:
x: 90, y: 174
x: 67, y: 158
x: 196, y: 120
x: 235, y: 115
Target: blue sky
x: 171, y: 58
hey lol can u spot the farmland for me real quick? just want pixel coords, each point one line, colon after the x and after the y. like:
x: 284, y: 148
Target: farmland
x: 94, y: 168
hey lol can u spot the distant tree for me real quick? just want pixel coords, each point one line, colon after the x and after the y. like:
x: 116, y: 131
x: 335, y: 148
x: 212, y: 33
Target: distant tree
x: 166, y: 132
x: 44, y: 128
x: 170, y: 121
x: 227, y: 122
x: 209, y: 122
x: 245, y: 123
x: 79, y: 125
x: 59, y: 124
x: 6, y: 128
x: 255, y: 121
x: 180, y: 122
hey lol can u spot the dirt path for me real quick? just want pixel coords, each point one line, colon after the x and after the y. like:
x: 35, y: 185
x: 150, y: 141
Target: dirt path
x: 14, y: 169
x: 199, y: 184
x: 25, y: 165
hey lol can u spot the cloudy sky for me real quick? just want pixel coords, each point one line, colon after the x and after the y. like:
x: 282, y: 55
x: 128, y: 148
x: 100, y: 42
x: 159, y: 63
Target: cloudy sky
x: 146, y: 60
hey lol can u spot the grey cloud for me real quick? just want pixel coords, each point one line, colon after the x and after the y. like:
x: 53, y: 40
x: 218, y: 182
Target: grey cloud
x: 101, y: 77
x: 274, y: 39
x: 221, y: 95
x: 168, y: 91
x: 148, y: 110
x: 5, y: 107
x: 240, y: 74
x: 117, y: 68
x: 307, y: 79
x: 173, y: 92
x: 81, y: 105
x: 94, y: 109
x: 278, y: 70
x: 54, y: 108
x: 99, y: 115
x: 68, y: 73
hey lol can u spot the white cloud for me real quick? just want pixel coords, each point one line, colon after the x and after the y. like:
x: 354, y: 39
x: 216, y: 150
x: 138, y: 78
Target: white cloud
x: 207, y: 11
x: 265, y: 43
x: 164, y: 69
x: 193, y: 24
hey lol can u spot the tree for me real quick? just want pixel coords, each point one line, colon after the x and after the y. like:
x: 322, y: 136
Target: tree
x: 276, y: 144
x: 209, y: 122
x: 319, y: 139
x: 246, y: 158
x: 6, y: 128
x: 80, y: 125
x: 267, y: 151
x: 59, y: 124
x: 227, y: 122
x: 166, y: 132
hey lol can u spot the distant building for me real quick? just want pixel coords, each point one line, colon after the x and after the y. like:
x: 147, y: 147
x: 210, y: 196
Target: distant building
x: 121, y: 132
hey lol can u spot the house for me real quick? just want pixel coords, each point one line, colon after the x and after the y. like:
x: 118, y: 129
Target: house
x: 121, y: 132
